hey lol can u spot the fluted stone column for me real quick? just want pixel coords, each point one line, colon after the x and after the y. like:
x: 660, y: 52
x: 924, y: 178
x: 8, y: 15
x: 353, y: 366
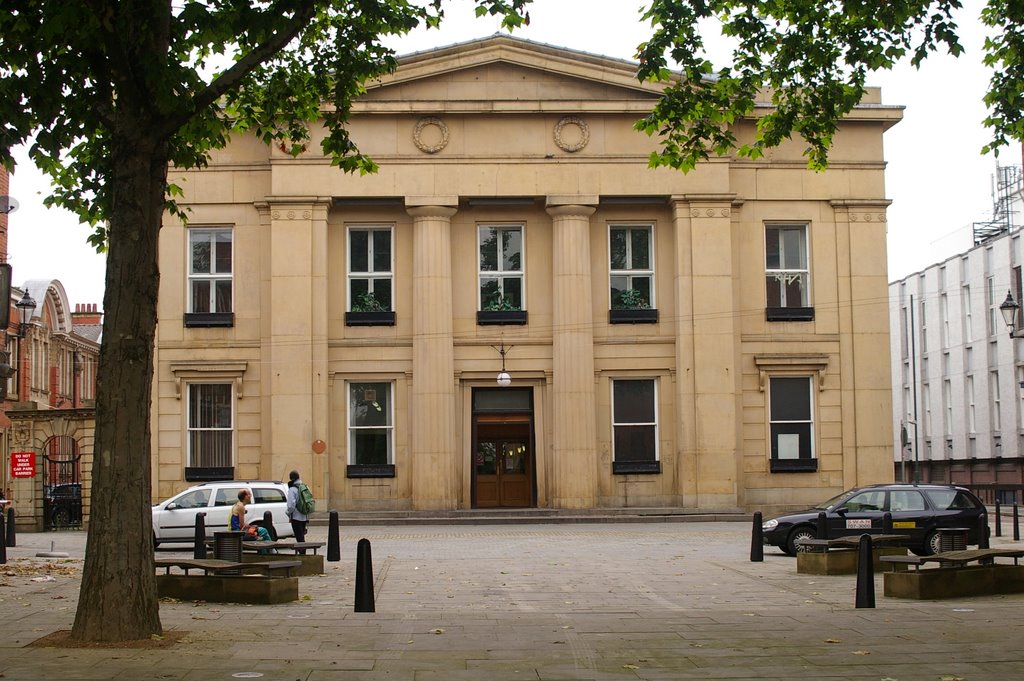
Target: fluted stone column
x: 574, y: 440
x: 435, y: 470
x: 708, y: 315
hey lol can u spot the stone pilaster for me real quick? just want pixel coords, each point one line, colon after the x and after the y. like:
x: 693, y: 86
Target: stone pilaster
x: 435, y: 469
x: 863, y: 309
x: 295, y: 338
x: 708, y: 328
x: 574, y: 441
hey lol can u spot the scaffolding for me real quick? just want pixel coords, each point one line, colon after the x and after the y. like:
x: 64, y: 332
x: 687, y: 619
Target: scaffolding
x: 1006, y: 188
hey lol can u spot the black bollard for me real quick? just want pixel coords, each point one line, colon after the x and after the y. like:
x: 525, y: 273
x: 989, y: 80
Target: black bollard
x: 12, y: 540
x: 1016, y: 522
x: 983, y: 532
x: 200, y: 537
x: 999, y: 520
x: 887, y: 523
x: 3, y: 542
x: 268, y: 522
x: 822, y: 530
x: 364, y: 577
x: 333, y: 538
x: 757, y: 539
x: 865, y: 573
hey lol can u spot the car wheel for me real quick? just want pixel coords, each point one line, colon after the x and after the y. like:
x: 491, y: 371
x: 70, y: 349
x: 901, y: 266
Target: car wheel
x: 931, y: 543
x: 155, y: 542
x: 60, y: 518
x: 798, y: 533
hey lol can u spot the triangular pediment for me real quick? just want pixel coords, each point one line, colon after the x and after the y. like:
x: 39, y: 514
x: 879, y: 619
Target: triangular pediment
x: 504, y: 69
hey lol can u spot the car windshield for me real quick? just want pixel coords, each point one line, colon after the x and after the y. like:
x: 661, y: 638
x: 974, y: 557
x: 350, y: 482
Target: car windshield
x: 835, y: 501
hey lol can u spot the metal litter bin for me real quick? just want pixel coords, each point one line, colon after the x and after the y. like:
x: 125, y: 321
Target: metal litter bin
x: 952, y: 539
x: 228, y: 546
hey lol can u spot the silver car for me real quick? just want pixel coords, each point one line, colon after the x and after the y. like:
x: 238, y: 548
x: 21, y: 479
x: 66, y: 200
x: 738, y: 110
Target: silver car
x: 174, y: 520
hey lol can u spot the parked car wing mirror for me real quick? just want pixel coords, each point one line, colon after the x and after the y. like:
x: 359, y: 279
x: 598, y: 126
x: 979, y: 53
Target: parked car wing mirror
x: 171, y: 506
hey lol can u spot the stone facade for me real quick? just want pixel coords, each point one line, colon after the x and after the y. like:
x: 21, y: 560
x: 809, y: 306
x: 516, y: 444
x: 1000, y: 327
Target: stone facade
x: 353, y: 326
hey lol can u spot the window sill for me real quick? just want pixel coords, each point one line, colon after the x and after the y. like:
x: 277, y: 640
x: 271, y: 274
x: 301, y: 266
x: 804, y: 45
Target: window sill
x: 370, y: 471
x: 645, y: 316
x: 794, y: 465
x: 209, y: 473
x: 631, y: 467
x: 369, y: 319
x: 789, y: 314
x: 198, y: 320
x: 495, y: 317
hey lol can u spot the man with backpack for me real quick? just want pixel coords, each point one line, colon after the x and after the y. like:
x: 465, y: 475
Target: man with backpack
x: 300, y: 506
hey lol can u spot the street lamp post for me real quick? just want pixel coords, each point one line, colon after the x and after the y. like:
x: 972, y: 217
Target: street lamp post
x: 26, y: 306
x: 1008, y: 308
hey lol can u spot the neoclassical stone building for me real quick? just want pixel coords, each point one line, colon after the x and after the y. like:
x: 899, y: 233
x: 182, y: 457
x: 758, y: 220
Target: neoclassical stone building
x: 714, y: 340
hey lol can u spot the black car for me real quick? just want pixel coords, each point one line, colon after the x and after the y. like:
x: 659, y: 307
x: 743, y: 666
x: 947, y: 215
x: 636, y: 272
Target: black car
x: 62, y: 505
x: 917, y: 511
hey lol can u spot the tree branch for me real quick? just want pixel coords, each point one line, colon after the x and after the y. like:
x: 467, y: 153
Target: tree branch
x: 227, y: 81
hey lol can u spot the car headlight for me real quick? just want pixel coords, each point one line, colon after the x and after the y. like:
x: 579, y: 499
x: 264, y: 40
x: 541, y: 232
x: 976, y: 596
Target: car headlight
x: 770, y: 524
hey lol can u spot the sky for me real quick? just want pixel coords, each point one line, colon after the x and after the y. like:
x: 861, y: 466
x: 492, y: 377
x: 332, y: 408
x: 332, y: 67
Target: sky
x: 936, y: 178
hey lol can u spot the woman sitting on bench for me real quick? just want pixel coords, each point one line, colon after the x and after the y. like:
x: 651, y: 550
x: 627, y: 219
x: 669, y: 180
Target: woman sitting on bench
x: 237, y: 521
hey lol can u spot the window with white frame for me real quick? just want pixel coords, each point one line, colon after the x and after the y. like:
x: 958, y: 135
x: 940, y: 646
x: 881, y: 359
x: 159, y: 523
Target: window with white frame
x: 211, y: 431
x: 994, y: 316
x: 370, y: 268
x: 947, y: 399
x: 965, y: 304
x: 370, y: 424
x: 501, y: 268
x: 791, y: 410
x: 926, y: 406
x: 944, y: 319
x: 923, y: 316
x: 971, y: 408
x: 994, y: 387
x: 635, y: 426
x: 787, y: 272
x: 210, y: 270
x: 631, y: 266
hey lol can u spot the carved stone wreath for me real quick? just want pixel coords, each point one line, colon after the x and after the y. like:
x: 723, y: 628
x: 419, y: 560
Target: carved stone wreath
x: 417, y: 135
x: 580, y: 125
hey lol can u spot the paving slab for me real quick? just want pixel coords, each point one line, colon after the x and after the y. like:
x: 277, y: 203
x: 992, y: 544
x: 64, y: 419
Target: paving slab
x: 539, y: 602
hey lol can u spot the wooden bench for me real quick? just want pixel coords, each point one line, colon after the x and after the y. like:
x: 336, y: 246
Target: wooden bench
x: 839, y: 556
x: 226, y: 581
x: 286, y: 545
x: 212, y: 566
x: 311, y: 563
x: 956, y: 558
x: 973, y: 572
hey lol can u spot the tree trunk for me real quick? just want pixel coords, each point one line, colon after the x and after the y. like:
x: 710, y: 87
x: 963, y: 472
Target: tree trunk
x: 118, y: 600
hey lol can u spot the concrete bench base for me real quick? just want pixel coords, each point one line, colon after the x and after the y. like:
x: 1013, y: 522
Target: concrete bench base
x: 954, y: 582
x: 229, y: 589
x: 311, y: 565
x: 841, y: 561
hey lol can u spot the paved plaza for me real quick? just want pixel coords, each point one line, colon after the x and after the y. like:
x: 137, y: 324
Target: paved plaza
x: 534, y: 602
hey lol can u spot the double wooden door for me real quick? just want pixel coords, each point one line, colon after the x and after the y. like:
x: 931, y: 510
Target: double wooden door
x: 503, y: 463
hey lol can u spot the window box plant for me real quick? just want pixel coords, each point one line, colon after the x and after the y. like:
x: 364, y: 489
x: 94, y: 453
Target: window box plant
x: 631, y: 307
x: 368, y: 311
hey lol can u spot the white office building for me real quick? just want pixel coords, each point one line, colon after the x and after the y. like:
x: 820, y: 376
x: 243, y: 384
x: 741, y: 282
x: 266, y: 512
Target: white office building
x: 958, y: 404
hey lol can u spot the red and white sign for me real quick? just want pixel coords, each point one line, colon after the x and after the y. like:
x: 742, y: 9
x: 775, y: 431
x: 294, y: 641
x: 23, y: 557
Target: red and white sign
x: 23, y: 464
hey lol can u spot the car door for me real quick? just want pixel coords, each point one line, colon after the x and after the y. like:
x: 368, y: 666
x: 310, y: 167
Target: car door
x: 223, y: 500
x: 954, y: 508
x: 860, y: 514
x: 270, y: 498
x: 177, y: 519
x: 910, y: 515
